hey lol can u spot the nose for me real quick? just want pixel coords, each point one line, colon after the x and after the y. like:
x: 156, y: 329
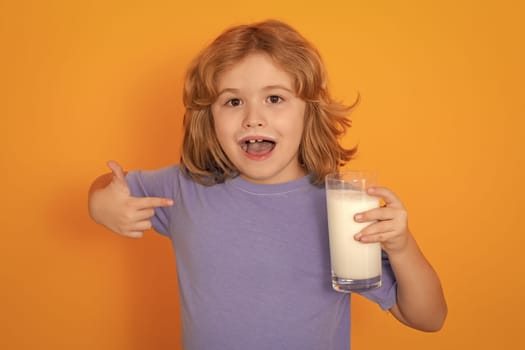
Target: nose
x: 253, y: 118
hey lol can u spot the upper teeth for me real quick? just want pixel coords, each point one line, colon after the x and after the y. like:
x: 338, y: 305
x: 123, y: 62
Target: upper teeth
x: 254, y: 141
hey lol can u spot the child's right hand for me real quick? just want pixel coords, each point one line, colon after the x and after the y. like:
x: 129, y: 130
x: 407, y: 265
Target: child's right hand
x: 111, y: 204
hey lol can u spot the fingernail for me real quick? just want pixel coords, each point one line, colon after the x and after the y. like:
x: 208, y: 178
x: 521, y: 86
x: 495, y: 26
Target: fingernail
x: 358, y: 217
x: 357, y: 237
x: 371, y: 189
x: 170, y: 202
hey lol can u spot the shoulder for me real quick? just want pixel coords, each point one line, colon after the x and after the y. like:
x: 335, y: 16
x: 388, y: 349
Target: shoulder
x: 167, y: 173
x: 164, y: 181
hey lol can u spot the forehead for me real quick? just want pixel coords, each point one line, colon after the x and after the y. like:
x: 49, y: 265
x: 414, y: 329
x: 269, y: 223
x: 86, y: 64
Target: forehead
x: 254, y: 70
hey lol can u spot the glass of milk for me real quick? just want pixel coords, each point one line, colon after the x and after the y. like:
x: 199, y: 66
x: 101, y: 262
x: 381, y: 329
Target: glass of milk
x: 356, y: 266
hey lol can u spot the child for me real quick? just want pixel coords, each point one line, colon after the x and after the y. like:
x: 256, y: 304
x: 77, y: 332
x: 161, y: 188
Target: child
x: 246, y: 210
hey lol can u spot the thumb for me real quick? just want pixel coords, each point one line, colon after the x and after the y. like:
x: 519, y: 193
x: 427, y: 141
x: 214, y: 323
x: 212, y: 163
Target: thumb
x: 118, y: 173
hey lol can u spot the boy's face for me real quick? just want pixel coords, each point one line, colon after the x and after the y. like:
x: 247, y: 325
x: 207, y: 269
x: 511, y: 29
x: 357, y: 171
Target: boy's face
x: 259, y: 120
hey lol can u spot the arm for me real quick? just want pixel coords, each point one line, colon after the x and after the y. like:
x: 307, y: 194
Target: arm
x: 420, y: 300
x: 110, y: 204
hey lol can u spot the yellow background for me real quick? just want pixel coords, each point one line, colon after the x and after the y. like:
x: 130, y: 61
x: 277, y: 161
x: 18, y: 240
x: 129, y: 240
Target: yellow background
x: 441, y: 119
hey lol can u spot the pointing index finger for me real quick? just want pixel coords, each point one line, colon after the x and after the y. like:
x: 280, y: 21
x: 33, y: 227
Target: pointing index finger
x: 154, y: 202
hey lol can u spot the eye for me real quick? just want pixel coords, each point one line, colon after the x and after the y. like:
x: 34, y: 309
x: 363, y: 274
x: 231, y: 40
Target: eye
x: 273, y: 99
x: 234, y: 102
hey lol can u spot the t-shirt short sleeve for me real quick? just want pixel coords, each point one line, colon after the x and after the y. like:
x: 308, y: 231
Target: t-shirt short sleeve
x: 386, y: 295
x: 155, y: 183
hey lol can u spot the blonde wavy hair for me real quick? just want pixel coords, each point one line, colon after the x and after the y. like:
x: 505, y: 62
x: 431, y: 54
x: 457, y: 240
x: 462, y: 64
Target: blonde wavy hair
x: 326, y: 120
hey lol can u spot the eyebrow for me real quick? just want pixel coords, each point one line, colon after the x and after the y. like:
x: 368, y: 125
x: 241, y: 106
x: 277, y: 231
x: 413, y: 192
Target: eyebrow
x: 282, y: 87
x: 269, y: 87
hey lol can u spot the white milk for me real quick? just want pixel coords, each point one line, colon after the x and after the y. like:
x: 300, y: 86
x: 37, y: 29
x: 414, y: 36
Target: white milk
x: 351, y: 259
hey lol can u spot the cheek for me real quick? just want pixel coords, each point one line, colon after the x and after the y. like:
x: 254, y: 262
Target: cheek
x: 296, y: 126
x: 224, y: 134
x: 293, y: 134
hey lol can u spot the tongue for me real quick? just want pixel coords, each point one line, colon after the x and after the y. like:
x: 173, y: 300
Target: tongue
x: 258, y: 148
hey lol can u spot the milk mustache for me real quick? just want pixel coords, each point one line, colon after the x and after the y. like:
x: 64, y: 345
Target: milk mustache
x: 351, y: 259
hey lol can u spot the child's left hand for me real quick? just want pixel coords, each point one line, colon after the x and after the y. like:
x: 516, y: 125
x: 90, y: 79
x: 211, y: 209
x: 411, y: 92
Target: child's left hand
x: 391, y: 226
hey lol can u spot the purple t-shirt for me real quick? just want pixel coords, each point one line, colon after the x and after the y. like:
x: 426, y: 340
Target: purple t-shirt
x: 253, y: 263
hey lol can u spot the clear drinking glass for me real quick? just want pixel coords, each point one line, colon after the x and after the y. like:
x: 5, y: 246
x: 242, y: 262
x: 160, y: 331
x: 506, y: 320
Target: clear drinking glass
x: 356, y: 266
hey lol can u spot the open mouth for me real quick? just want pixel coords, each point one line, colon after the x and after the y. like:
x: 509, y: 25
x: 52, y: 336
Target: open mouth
x: 257, y: 146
